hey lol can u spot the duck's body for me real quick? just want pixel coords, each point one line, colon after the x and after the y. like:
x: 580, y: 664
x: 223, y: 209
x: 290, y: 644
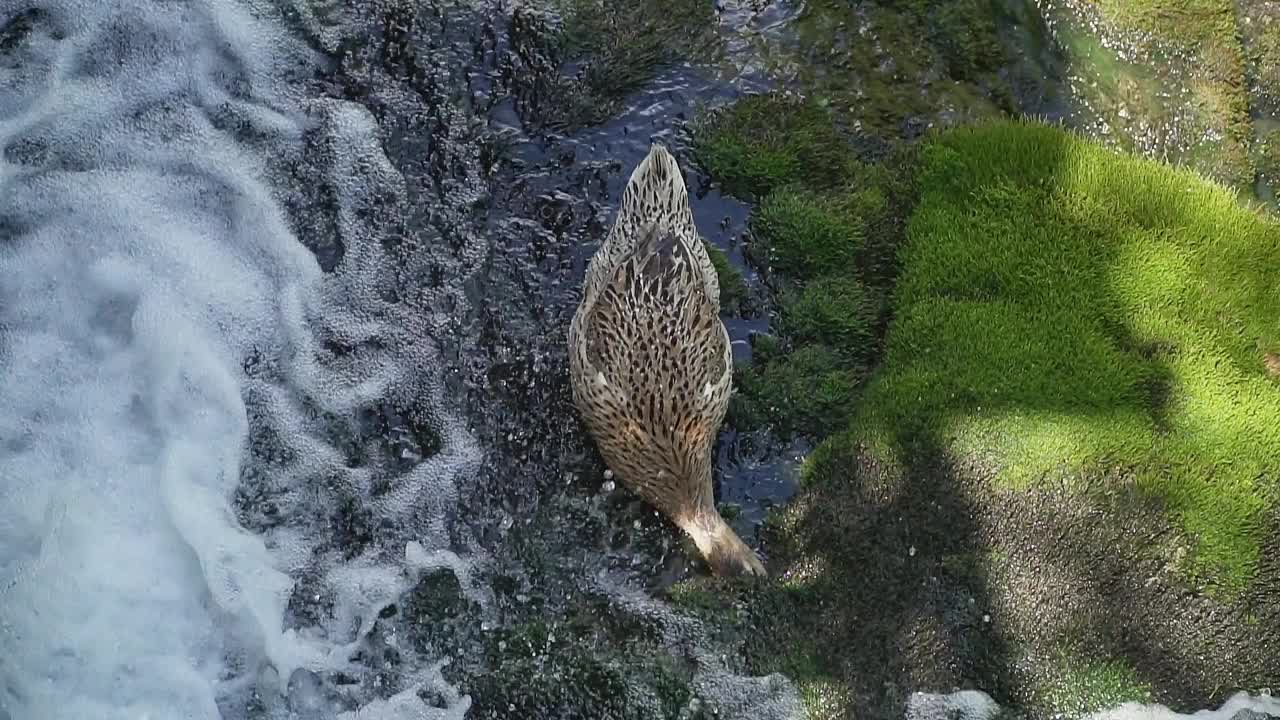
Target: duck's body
x: 649, y: 359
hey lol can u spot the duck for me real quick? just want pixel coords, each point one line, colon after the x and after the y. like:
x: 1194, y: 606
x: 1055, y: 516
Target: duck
x: 650, y: 364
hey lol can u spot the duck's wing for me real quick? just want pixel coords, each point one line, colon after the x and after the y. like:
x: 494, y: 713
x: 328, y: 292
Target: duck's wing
x: 653, y: 330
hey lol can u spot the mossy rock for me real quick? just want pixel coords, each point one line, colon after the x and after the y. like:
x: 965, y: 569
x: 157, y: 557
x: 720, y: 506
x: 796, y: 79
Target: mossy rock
x: 1076, y: 687
x: 835, y: 312
x: 562, y: 670
x: 809, y: 391
x: 762, y: 142
x: 1063, y: 308
x: 893, y: 69
x: 804, y: 234
x: 1169, y: 79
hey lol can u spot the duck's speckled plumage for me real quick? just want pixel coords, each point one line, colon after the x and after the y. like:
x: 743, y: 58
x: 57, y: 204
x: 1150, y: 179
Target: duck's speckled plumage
x: 649, y: 359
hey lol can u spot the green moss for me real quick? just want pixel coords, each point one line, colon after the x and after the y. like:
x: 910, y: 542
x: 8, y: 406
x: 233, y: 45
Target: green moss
x: 564, y: 670
x: 1076, y: 688
x: 836, y: 312
x: 1260, y: 31
x: 733, y: 289
x: 806, y: 235
x: 1188, y: 23
x: 1062, y: 307
x: 700, y: 595
x: 565, y: 682
x: 1269, y: 156
x: 762, y: 142
x: 810, y: 391
x: 437, y: 597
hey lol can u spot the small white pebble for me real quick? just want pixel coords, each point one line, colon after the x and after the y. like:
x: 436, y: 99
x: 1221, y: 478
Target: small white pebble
x: 636, y: 524
x: 986, y: 618
x: 608, y: 474
x: 607, y: 486
x: 912, y: 551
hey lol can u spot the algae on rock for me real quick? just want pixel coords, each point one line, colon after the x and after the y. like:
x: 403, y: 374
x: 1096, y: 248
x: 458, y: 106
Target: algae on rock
x: 1164, y: 78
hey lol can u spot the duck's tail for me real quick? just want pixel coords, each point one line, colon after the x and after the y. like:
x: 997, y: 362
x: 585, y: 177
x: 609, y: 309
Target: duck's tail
x: 656, y: 193
x: 720, y: 546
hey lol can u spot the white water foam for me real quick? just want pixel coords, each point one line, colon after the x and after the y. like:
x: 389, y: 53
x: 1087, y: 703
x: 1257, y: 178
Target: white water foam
x: 1241, y: 706
x: 143, y: 262
x: 977, y: 705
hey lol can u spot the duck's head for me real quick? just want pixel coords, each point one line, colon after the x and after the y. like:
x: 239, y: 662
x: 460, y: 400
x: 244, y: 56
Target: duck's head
x: 724, y: 552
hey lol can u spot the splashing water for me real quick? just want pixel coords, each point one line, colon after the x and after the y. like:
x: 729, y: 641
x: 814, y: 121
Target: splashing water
x: 158, y: 318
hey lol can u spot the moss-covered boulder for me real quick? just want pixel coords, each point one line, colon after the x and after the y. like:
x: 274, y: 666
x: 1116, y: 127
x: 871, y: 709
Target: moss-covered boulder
x: 1059, y: 483
x: 1063, y: 309
x: 766, y: 141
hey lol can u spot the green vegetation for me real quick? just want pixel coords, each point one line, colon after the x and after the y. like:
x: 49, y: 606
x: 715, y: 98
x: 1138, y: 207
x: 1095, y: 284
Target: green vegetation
x: 1063, y: 308
x: 833, y: 312
x: 574, y: 668
x: 1184, y: 88
x: 1260, y: 33
x: 1190, y: 23
x: 733, y: 289
x: 825, y: 232
x: 763, y: 142
x: 810, y: 390
x: 1079, y: 688
x: 807, y: 234
x: 894, y: 68
x: 1060, y: 314
x: 1269, y: 156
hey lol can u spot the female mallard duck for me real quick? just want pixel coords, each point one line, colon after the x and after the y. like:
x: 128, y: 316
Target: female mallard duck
x: 650, y: 363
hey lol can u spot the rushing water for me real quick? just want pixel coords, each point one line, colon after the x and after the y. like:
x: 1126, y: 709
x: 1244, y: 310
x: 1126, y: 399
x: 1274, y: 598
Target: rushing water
x: 170, y: 345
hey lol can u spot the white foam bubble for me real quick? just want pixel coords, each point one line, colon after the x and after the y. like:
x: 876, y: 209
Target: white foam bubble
x: 977, y: 705
x: 962, y: 704
x: 1250, y: 707
x: 143, y: 259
